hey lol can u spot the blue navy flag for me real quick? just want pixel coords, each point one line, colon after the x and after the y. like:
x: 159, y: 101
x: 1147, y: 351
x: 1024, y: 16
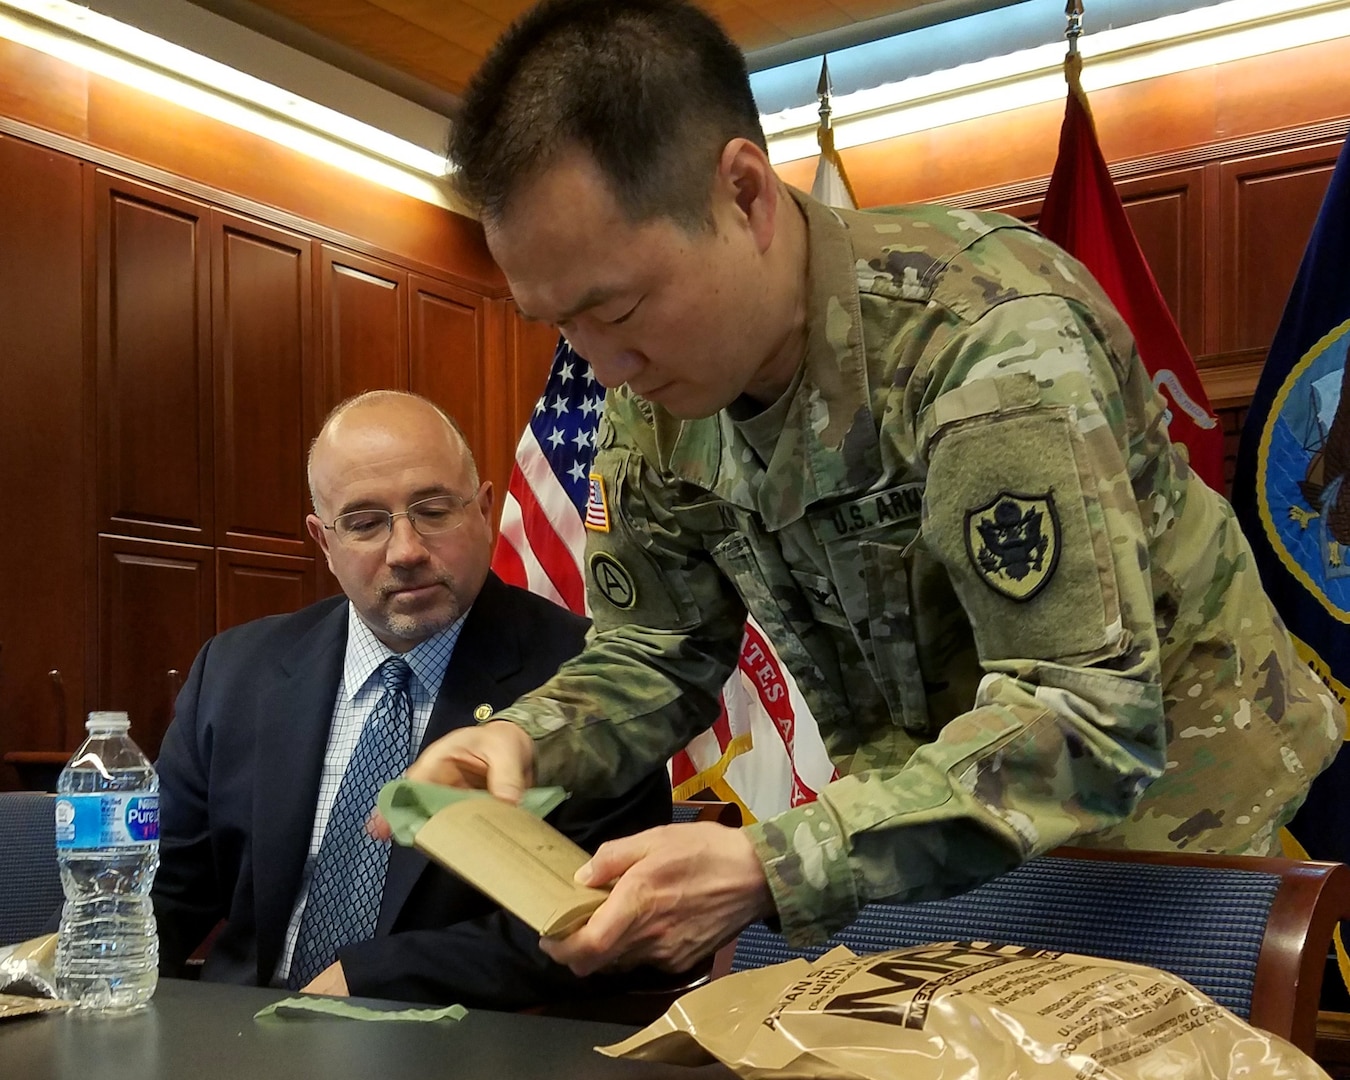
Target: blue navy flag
x: 1291, y: 490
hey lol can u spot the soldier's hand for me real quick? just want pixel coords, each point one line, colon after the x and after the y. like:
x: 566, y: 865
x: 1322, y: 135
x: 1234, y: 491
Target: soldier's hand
x: 679, y: 892
x: 498, y: 756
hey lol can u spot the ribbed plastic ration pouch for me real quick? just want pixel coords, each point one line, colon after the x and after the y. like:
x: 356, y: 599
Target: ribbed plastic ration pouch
x: 963, y: 1010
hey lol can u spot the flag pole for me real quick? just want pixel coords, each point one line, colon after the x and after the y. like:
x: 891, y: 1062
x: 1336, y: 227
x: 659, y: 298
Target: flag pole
x: 825, y: 129
x: 1073, y: 59
x: 824, y: 133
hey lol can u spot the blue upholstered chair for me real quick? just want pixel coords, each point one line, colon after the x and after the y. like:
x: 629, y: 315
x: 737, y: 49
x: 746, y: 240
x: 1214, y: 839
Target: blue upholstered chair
x: 723, y: 813
x: 1251, y: 933
x: 30, y: 884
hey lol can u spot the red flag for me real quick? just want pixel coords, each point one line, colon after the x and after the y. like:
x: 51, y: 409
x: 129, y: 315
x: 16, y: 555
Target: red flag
x: 1083, y: 214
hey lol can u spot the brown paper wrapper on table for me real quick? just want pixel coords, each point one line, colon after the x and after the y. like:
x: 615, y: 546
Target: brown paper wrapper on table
x: 967, y: 1011
x: 13, y: 1006
x: 517, y: 859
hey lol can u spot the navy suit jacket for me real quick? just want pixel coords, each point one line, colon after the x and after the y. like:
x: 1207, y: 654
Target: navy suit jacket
x: 239, y: 775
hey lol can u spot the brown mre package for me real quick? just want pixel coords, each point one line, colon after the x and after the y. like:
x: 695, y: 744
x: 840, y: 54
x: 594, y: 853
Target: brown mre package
x: 967, y: 1011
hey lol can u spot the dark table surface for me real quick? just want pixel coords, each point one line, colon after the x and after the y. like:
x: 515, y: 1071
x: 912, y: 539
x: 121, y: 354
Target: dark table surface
x: 204, y: 1031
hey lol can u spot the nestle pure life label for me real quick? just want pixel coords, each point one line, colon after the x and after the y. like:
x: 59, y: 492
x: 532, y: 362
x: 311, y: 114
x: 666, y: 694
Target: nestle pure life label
x: 107, y: 819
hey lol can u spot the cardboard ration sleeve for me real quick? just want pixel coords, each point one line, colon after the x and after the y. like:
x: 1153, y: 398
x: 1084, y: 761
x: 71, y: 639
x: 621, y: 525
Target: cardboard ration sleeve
x: 517, y: 859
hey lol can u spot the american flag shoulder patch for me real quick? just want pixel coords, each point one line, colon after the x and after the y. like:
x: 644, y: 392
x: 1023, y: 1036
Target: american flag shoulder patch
x: 597, y: 505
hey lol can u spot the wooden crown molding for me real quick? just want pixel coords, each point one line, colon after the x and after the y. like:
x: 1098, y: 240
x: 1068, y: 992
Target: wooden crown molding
x: 1283, y: 139
x: 272, y: 215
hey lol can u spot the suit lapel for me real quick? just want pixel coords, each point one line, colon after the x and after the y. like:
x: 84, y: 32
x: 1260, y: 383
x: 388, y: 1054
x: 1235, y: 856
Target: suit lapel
x: 294, y: 717
x: 488, y: 652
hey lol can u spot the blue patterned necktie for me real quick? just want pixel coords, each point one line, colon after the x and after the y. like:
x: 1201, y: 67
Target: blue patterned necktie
x: 348, y: 878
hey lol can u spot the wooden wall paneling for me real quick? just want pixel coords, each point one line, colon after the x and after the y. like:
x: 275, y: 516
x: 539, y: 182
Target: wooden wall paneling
x: 325, y: 584
x: 532, y: 346
x: 1266, y: 206
x: 1231, y: 422
x: 42, y: 449
x: 156, y: 607
x: 266, y: 383
x: 446, y: 359
x: 40, y: 89
x: 499, y: 450
x: 518, y: 357
x: 1166, y: 212
x: 1280, y: 91
x: 129, y: 130
x: 1028, y: 210
x: 154, y: 362
x: 364, y: 340
x: 250, y: 584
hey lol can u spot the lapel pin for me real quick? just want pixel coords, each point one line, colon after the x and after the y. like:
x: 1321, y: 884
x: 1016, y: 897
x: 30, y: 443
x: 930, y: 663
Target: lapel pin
x: 482, y: 712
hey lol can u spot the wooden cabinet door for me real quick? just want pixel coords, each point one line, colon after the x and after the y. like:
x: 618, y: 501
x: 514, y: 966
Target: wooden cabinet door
x: 156, y: 608
x: 266, y: 397
x: 532, y: 345
x: 364, y: 340
x: 250, y: 585
x: 447, y: 351
x: 154, y: 362
x: 516, y: 364
x: 43, y: 458
x: 1166, y: 212
x: 1267, y: 206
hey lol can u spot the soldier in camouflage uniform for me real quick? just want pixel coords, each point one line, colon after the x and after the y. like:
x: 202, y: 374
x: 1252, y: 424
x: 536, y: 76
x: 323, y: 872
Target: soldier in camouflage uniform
x: 947, y: 494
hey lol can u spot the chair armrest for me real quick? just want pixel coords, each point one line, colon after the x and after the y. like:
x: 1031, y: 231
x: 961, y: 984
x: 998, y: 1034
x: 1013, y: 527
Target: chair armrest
x: 1312, y: 898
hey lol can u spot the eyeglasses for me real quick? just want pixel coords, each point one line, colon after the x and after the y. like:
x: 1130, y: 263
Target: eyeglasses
x: 371, y: 528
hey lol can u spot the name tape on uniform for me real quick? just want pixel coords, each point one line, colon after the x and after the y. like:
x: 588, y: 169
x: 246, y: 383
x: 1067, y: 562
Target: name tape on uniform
x: 892, y: 506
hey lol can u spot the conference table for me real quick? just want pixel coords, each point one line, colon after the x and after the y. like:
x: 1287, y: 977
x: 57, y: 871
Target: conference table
x: 206, y: 1031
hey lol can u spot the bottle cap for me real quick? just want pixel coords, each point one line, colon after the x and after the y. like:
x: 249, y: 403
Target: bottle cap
x: 107, y: 721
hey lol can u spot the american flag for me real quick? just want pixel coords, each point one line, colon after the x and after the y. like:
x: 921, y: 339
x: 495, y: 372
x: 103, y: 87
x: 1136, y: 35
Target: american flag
x: 542, y: 536
x: 764, y: 752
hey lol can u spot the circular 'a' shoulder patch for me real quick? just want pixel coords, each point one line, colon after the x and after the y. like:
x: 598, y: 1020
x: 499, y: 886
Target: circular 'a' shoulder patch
x: 1013, y: 542
x: 613, y: 580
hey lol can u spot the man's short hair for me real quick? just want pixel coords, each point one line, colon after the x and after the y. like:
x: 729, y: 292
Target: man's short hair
x: 651, y: 90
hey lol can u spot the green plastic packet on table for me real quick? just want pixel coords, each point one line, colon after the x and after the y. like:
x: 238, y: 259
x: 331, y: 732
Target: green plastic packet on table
x: 409, y: 804
x: 297, y: 1007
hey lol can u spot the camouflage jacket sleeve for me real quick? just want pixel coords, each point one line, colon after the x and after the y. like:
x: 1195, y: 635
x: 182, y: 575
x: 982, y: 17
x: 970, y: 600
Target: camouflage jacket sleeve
x: 664, y: 639
x: 1037, y: 419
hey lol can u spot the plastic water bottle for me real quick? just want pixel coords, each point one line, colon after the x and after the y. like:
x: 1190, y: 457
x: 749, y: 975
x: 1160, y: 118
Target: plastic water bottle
x: 107, y: 845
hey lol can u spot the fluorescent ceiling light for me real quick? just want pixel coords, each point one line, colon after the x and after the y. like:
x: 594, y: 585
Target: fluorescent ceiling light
x: 130, y: 56
x: 1202, y: 37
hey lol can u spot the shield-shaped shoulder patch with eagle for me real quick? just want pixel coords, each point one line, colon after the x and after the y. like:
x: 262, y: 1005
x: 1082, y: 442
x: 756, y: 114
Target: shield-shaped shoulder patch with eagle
x: 1013, y: 542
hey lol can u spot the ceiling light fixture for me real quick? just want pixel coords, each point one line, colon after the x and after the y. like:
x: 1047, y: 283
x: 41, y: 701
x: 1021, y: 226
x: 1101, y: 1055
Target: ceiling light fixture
x: 130, y: 56
x: 1202, y: 37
